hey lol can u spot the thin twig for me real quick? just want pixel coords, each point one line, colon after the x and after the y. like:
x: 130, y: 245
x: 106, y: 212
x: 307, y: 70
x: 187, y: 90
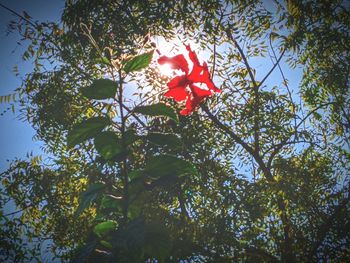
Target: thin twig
x: 273, y: 68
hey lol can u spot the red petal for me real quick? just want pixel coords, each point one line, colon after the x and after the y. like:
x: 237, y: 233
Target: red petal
x: 178, y: 81
x: 191, y: 104
x: 192, y: 55
x: 204, y: 78
x: 197, y: 68
x: 198, y: 92
x: 178, y: 94
x: 185, y: 112
x: 195, y: 75
x: 176, y: 62
x: 207, y: 79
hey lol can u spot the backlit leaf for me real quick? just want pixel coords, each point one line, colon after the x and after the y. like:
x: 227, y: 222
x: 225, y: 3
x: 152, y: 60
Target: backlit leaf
x: 159, y: 109
x: 139, y: 62
x: 100, y: 89
x: 86, y: 130
x: 89, y: 196
x: 104, y: 227
x: 108, y: 145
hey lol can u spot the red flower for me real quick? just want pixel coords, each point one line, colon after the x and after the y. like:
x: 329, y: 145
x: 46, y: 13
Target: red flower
x: 183, y: 88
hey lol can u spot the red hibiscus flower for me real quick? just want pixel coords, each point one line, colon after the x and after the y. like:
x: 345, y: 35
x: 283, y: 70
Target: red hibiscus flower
x: 185, y: 87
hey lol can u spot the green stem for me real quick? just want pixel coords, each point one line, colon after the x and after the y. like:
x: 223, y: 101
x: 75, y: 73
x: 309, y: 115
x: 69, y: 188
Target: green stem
x: 124, y: 172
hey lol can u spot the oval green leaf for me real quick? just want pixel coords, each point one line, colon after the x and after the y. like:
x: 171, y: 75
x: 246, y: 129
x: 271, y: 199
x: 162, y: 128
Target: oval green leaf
x: 139, y: 62
x: 108, y: 145
x: 100, y: 89
x: 85, y: 130
x: 159, y: 109
x: 106, y: 244
x: 89, y: 196
x: 104, y: 227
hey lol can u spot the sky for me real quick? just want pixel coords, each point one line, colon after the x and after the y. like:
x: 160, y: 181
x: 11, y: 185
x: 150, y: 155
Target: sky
x: 16, y: 136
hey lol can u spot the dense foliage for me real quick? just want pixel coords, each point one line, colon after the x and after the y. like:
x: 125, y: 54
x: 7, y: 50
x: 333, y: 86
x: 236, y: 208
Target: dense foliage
x: 257, y: 173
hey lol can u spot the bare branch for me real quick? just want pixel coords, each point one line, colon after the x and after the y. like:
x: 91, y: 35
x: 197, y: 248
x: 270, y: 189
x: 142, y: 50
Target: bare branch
x: 273, y: 68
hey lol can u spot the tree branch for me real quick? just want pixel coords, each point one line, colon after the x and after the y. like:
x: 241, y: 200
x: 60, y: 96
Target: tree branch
x: 237, y: 139
x: 272, y: 69
x: 256, y: 91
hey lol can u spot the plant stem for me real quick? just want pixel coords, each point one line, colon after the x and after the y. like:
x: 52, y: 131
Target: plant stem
x: 124, y: 172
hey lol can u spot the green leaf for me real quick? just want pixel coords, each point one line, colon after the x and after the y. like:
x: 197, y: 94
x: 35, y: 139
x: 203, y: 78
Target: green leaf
x: 163, y: 139
x: 131, y: 239
x: 135, y: 174
x: 138, y: 201
x: 103, y: 228
x: 106, y: 244
x: 157, y: 240
x: 159, y: 109
x: 103, y: 60
x: 141, y: 238
x: 274, y: 35
x: 88, y: 197
x: 108, y: 145
x: 136, y: 185
x: 111, y: 202
x: 100, y: 89
x: 139, y: 62
x: 86, y: 130
x: 168, y: 165
x: 130, y: 137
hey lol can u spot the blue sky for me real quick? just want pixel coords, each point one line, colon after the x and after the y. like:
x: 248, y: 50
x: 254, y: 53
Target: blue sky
x: 16, y: 137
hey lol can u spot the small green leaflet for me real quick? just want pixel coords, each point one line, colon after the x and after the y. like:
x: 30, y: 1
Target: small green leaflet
x: 89, y: 196
x: 104, y: 227
x: 86, y: 129
x: 100, y: 89
x: 103, y: 60
x: 108, y: 145
x: 139, y: 62
x: 159, y: 109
